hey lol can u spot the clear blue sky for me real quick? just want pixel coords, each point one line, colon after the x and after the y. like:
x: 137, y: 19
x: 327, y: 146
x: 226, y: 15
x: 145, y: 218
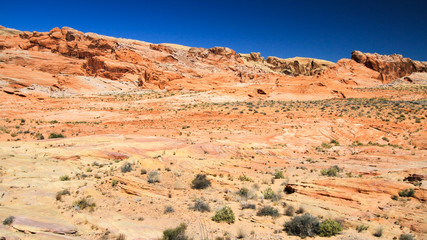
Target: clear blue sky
x: 329, y: 29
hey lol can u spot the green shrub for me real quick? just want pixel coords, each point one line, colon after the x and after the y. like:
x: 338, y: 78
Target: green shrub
x: 200, y: 182
x: 361, y: 228
x: 56, y: 135
x: 303, y: 226
x: 246, y: 205
x: 406, y: 236
x: 225, y: 214
x: 114, y: 182
x: 177, y: 233
x: 409, y: 192
x: 127, y: 167
x: 61, y: 193
x: 64, y: 178
x: 201, y: 206
x: 84, y: 203
x: 169, y: 209
x: 331, y: 172
x: 243, y: 192
x: 329, y: 228
x: 268, y: 211
x: 39, y: 136
x: 245, y: 178
x: 8, y: 220
x: 278, y: 175
x: 271, y: 195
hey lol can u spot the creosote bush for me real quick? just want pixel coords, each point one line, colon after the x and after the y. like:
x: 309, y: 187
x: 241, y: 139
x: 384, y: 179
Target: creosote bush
x: 127, y: 167
x: 177, y: 233
x: 201, y: 206
x: 9, y: 220
x: 153, y: 177
x: 303, y: 226
x: 84, y: 203
x: 225, y: 214
x: 406, y: 236
x: 200, y: 182
x: 331, y: 172
x: 268, y: 211
x: 61, y: 193
x: 56, y: 135
x: 64, y: 178
x: 409, y: 192
x: 329, y: 228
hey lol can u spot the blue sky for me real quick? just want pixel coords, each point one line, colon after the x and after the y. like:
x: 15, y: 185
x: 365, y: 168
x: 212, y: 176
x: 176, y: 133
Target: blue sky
x: 329, y: 29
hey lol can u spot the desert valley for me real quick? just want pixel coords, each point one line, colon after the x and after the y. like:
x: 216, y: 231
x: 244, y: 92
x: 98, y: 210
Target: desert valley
x: 111, y: 138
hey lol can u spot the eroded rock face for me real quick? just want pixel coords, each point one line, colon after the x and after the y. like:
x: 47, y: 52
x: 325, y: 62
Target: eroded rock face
x: 390, y: 67
x: 292, y: 66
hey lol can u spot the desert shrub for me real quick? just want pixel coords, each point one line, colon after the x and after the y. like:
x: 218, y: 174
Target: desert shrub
x: 114, y: 182
x: 300, y: 210
x: 290, y: 211
x: 84, y: 203
x: 200, y: 182
x: 331, y: 172
x: 169, y: 209
x: 61, y: 193
x: 8, y: 220
x: 409, y: 192
x: 406, y: 236
x: 201, y: 206
x: 361, y: 228
x: 329, y: 228
x: 64, y: 178
x: 268, y: 211
x: 127, y: 167
x: 245, y: 205
x: 303, y: 226
x: 177, y: 233
x: 278, y: 175
x: 39, y: 136
x: 243, y: 192
x: 270, y: 194
x: 143, y: 171
x: 378, y: 232
x: 153, y: 177
x: 245, y: 178
x: 225, y: 214
x: 56, y: 135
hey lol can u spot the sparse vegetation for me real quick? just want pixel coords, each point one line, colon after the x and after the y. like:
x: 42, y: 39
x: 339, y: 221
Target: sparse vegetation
x: 331, y: 172
x: 329, y: 228
x: 84, y: 203
x: 64, y: 178
x: 56, y: 135
x: 409, y: 192
x: 361, y: 228
x: 200, y: 206
x: 303, y: 226
x: 406, y: 236
x: 177, y: 233
x: 225, y: 214
x: 127, y: 167
x: 268, y: 211
x: 59, y: 194
x: 9, y: 220
x: 153, y: 177
x: 200, y: 182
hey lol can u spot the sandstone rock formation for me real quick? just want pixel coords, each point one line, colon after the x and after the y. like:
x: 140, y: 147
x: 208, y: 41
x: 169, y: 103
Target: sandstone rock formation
x: 390, y: 67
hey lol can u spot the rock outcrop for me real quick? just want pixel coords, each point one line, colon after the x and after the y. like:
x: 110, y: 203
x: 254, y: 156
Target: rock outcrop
x: 390, y: 67
x: 297, y: 66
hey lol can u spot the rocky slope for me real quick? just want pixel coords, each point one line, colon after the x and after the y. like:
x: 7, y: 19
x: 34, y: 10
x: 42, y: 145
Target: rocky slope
x: 390, y: 67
